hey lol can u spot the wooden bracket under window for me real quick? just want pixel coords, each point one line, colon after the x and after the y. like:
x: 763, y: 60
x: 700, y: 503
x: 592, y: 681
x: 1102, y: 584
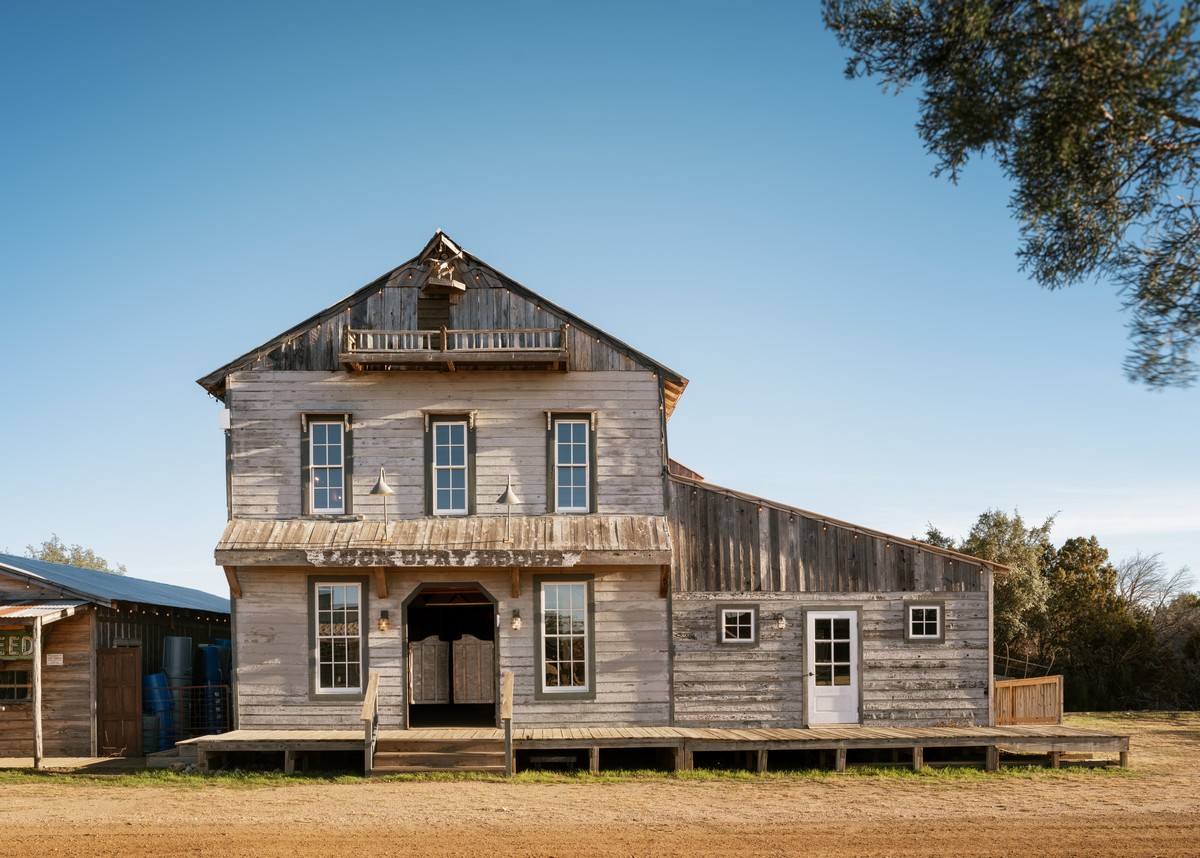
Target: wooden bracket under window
x: 664, y: 581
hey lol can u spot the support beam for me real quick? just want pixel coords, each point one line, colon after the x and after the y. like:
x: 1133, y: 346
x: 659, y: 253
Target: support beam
x: 514, y: 575
x: 839, y: 761
x: 37, y: 693
x: 993, y: 759
x: 760, y: 760
x: 289, y: 761
x: 1056, y: 759
x: 664, y: 581
x: 684, y: 761
x: 594, y: 759
x: 1124, y: 759
x: 918, y: 759
x: 381, y: 588
x: 235, y: 586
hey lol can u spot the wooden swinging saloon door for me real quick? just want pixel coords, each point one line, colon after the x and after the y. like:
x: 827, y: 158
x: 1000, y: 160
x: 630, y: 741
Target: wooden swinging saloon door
x: 833, y: 668
x: 430, y: 669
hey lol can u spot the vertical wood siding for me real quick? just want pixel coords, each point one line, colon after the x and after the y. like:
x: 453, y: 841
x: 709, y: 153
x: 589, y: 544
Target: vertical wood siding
x: 389, y: 432
x: 727, y: 542
x: 631, y: 650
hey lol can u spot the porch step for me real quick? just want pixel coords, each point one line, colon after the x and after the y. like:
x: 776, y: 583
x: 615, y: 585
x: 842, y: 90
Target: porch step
x: 400, y: 756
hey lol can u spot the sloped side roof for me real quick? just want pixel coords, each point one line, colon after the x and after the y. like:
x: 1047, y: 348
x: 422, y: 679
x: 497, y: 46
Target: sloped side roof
x: 214, y: 382
x: 106, y: 587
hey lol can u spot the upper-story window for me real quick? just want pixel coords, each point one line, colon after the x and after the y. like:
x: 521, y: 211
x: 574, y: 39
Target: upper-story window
x: 571, y: 469
x: 450, y: 457
x: 326, y: 464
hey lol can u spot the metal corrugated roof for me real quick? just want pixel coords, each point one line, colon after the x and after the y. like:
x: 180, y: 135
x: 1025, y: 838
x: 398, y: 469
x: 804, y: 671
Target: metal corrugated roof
x: 33, y: 609
x: 107, y: 587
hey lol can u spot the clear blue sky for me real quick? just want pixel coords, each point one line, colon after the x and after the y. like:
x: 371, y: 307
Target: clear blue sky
x: 181, y: 182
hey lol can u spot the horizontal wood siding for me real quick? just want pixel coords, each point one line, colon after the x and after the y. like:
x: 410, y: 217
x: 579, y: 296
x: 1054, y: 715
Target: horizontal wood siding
x: 903, y: 683
x: 728, y: 542
x: 389, y: 432
x: 67, y: 706
x: 631, y: 650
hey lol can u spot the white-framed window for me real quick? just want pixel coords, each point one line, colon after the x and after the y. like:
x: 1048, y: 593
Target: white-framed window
x: 327, y: 471
x: 737, y: 624
x: 15, y: 685
x: 566, y: 644
x: 449, y: 475
x: 338, y: 636
x: 924, y: 622
x: 572, y: 465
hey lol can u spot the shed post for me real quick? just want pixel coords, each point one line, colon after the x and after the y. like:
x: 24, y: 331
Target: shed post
x: 37, y: 692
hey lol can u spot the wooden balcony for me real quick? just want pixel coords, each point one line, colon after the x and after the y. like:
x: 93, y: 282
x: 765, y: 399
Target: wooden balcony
x: 528, y: 348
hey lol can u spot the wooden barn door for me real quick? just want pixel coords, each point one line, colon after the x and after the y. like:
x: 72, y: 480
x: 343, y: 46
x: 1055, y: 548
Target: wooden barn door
x: 119, y: 701
x: 833, y: 668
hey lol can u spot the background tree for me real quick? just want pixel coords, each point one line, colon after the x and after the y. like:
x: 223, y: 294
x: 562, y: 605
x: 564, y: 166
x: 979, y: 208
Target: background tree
x: 1092, y: 109
x: 54, y: 551
x: 1019, y: 611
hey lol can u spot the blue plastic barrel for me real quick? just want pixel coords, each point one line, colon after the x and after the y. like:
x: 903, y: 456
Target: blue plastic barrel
x: 157, y: 700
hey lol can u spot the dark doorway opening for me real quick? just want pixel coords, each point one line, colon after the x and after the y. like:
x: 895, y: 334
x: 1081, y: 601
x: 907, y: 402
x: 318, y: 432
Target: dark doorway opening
x: 452, y: 665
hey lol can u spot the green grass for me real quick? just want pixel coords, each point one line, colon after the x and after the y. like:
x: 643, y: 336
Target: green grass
x: 258, y: 780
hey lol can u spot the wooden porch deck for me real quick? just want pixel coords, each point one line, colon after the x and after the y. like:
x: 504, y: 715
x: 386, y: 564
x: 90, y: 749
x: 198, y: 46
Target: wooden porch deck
x: 685, y: 742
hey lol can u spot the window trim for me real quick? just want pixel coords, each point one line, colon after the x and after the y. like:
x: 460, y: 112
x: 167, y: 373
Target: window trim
x: 307, y: 420
x: 553, y: 418
x: 940, y: 607
x: 467, y: 418
x: 737, y: 607
x: 315, y: 692
x: 540, y: 690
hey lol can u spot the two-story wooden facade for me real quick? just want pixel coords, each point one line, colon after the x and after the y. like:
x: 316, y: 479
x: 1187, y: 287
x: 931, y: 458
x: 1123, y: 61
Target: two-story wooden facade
x: 444, y: 476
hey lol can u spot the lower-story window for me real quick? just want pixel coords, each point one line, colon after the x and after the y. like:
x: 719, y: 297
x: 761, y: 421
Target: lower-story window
x: 14, y: 685
x: 339, y: 643
x: 566, y: 638
x: 924, y: 622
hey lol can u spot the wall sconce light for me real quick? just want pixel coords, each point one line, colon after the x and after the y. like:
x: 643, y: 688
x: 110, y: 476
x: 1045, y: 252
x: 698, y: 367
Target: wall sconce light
x: 781, y: 623
x: 516, y: 619
x: 384, y: 622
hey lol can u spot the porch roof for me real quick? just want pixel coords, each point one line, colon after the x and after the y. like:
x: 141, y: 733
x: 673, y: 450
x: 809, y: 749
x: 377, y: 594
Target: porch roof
x: 547, y: 541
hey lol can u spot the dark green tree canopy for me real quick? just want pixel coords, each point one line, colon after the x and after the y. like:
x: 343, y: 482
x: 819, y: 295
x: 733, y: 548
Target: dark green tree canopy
x: 1092, y: 109
x: 54, y: 551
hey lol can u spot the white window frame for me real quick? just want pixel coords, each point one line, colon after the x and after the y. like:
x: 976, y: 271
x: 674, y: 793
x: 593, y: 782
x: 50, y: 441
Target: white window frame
x: 938, y: 621
x: 585, y: 636
x: 435, y: 468
x: 345, y: 637
x: 560, y: 467
x: 314, y: 468
x: 723, y: 624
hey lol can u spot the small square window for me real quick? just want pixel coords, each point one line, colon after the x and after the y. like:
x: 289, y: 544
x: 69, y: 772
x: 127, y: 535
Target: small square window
x: 923, y: 622
x: 737, y: 624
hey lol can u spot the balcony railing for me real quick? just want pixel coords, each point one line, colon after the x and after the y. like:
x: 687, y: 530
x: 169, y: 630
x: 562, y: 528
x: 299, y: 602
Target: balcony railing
x: 541, y: 347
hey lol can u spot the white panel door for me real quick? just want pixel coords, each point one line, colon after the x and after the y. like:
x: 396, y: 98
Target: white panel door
x: 833, y: 669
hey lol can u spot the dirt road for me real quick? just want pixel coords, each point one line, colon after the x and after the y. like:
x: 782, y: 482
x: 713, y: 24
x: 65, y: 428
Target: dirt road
x: 1153, y: 811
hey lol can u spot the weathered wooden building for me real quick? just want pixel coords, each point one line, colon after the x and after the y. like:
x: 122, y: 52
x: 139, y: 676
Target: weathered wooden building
x: 445, y: 476
x: 74, y: 646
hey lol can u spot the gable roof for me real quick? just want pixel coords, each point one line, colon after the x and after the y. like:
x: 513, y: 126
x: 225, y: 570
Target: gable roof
x: 107, y: 587
x: 441, y: 247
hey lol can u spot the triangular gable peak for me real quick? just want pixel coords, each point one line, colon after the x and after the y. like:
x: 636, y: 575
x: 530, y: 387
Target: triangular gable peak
x: 445, y: 309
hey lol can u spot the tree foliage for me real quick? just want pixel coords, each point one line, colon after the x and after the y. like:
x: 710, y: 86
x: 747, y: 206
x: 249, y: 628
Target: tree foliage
x: 54, y: 551
x: 1092, y: 110
x: 1123, y: 635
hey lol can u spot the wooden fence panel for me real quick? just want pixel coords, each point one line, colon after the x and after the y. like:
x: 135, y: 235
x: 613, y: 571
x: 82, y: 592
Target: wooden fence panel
x: 1029, y: 701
